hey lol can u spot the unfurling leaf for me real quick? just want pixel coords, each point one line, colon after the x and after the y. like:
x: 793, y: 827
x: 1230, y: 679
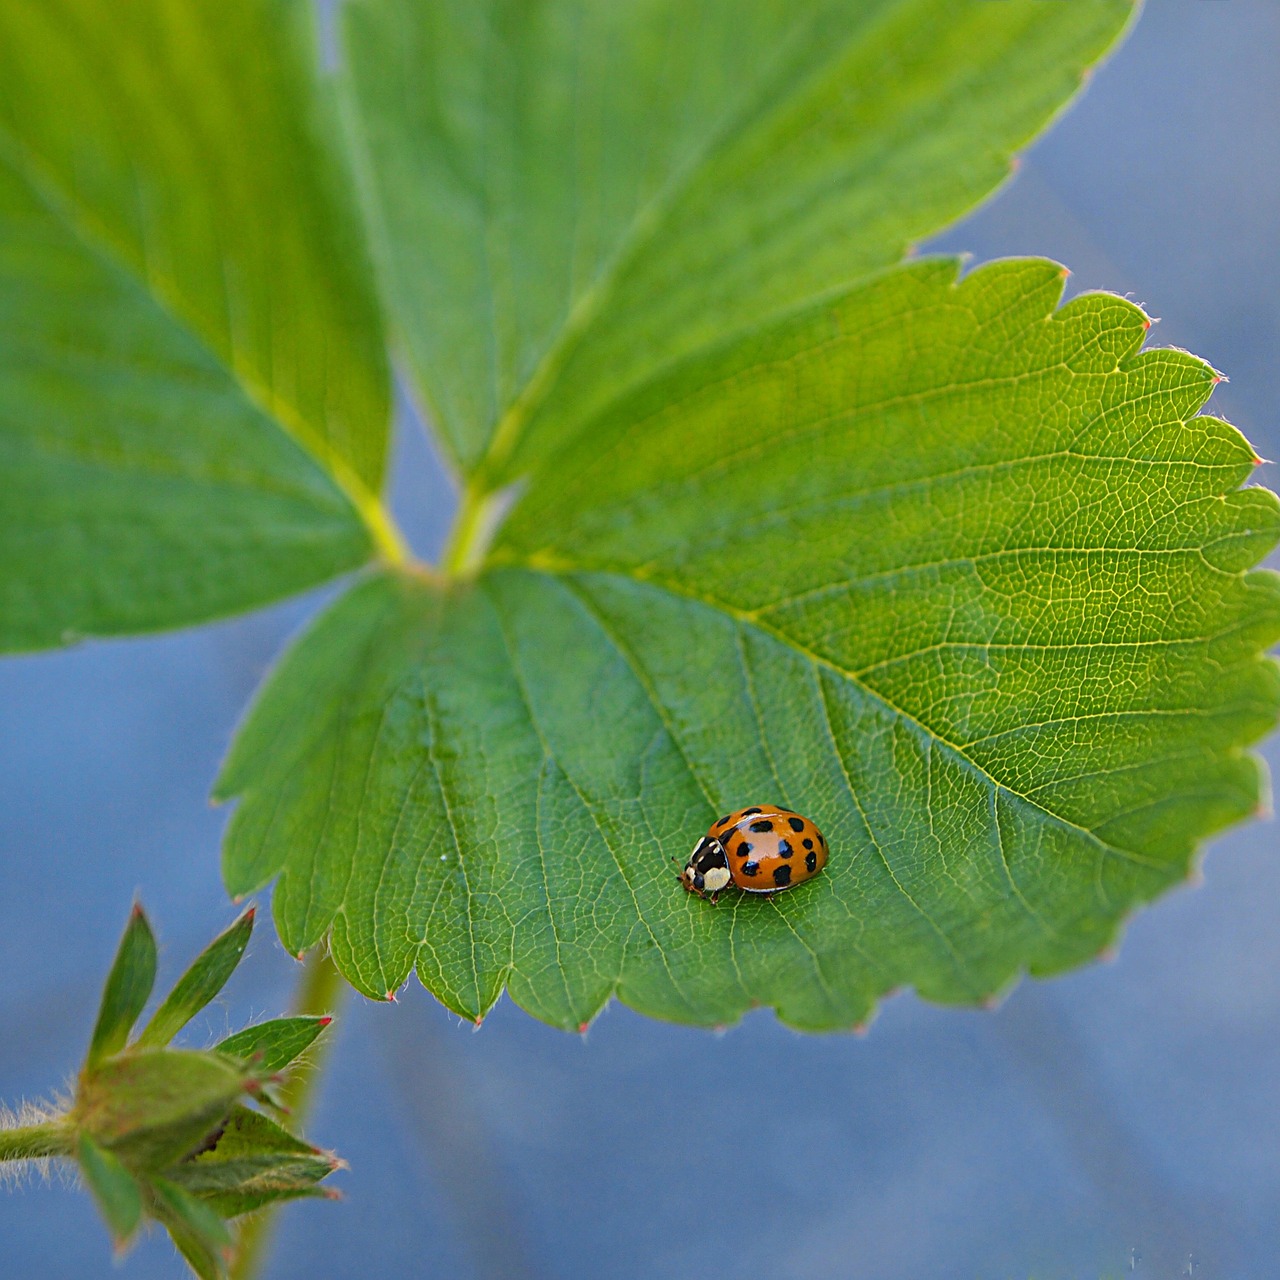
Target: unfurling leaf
x: 200, y: 984
x: 133, y: 974
x: 198, y: 1230
x: 273, y: 1045
x: 254, y: 1162
x: 168, y: 1133
x: 114, y: 1188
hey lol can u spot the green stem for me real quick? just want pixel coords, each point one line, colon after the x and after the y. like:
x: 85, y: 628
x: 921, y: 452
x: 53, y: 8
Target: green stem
x: 480, y: 516
x: 460, y: 551
x: 35, y: 1141
x: 320, y: 991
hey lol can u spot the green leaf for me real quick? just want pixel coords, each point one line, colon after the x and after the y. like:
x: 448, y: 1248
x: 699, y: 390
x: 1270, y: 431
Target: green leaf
x: 200, y: 984
x: 962, y: 577
x: 114, y: 1189
x: 133, y: 974
x: 273, y: 1045
x: 570, y: 196
x: 193, y: 388
x: 253, y: 1163
x: 200, y: 1234
x: 250, y: 1133
x: 154, y: 1106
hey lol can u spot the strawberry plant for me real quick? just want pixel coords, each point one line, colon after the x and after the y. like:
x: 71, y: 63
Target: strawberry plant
x: 753, y: 503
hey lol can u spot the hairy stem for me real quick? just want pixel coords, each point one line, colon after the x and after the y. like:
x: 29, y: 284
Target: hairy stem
x: 320, y: 991
x: 35, y: 1141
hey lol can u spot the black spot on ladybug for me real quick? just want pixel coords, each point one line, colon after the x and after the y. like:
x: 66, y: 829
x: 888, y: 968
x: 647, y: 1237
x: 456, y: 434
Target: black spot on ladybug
x: 822, y: 840
x: 796, y: 824
x: 810, y: 861
x: 750, y: 868
x: 781, y: 876
x: 763, y: 825
x: 746, y: 811
x: 721, y: 821
x: 699, y: 882
x: 784, y: 849
x: 808, y: 844
x: 743, y: 849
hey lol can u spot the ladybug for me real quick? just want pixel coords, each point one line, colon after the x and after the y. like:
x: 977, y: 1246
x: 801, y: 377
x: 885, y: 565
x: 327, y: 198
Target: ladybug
x: 764, y: 849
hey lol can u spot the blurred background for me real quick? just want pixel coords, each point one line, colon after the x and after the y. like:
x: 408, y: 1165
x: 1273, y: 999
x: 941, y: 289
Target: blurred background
x: 1122, y: 1121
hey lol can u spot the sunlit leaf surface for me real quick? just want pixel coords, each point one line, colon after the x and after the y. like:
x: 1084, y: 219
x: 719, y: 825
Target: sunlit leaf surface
x: 570, y: 195
x: 962, y: 577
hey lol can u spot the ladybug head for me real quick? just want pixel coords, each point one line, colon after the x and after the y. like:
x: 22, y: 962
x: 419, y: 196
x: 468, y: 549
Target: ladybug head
x: 707, y: 870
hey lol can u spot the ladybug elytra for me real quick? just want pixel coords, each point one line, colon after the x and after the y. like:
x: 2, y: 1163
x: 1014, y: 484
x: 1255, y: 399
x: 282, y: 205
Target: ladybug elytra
x: 764, y: 849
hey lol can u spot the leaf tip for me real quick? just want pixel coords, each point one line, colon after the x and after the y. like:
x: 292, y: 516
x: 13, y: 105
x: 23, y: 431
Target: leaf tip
x: 391, y: 997
x: 324, y: 1022
x: 1109, y: 954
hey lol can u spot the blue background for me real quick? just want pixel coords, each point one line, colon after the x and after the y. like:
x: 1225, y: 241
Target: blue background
x: 1123, y: 1120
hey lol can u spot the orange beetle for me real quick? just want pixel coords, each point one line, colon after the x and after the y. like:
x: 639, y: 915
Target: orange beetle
x: 764, y: 849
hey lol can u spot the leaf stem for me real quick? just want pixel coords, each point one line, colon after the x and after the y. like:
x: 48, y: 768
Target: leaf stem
x: 480, y: 516
x: 464, y: 548
x: 36, y: 1141
x: 386, y: 535
x: 320, y: 991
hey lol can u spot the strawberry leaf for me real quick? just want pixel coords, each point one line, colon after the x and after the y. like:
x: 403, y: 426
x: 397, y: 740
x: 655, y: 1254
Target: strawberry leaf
x: 963, y: 577
x: 193, y: 387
